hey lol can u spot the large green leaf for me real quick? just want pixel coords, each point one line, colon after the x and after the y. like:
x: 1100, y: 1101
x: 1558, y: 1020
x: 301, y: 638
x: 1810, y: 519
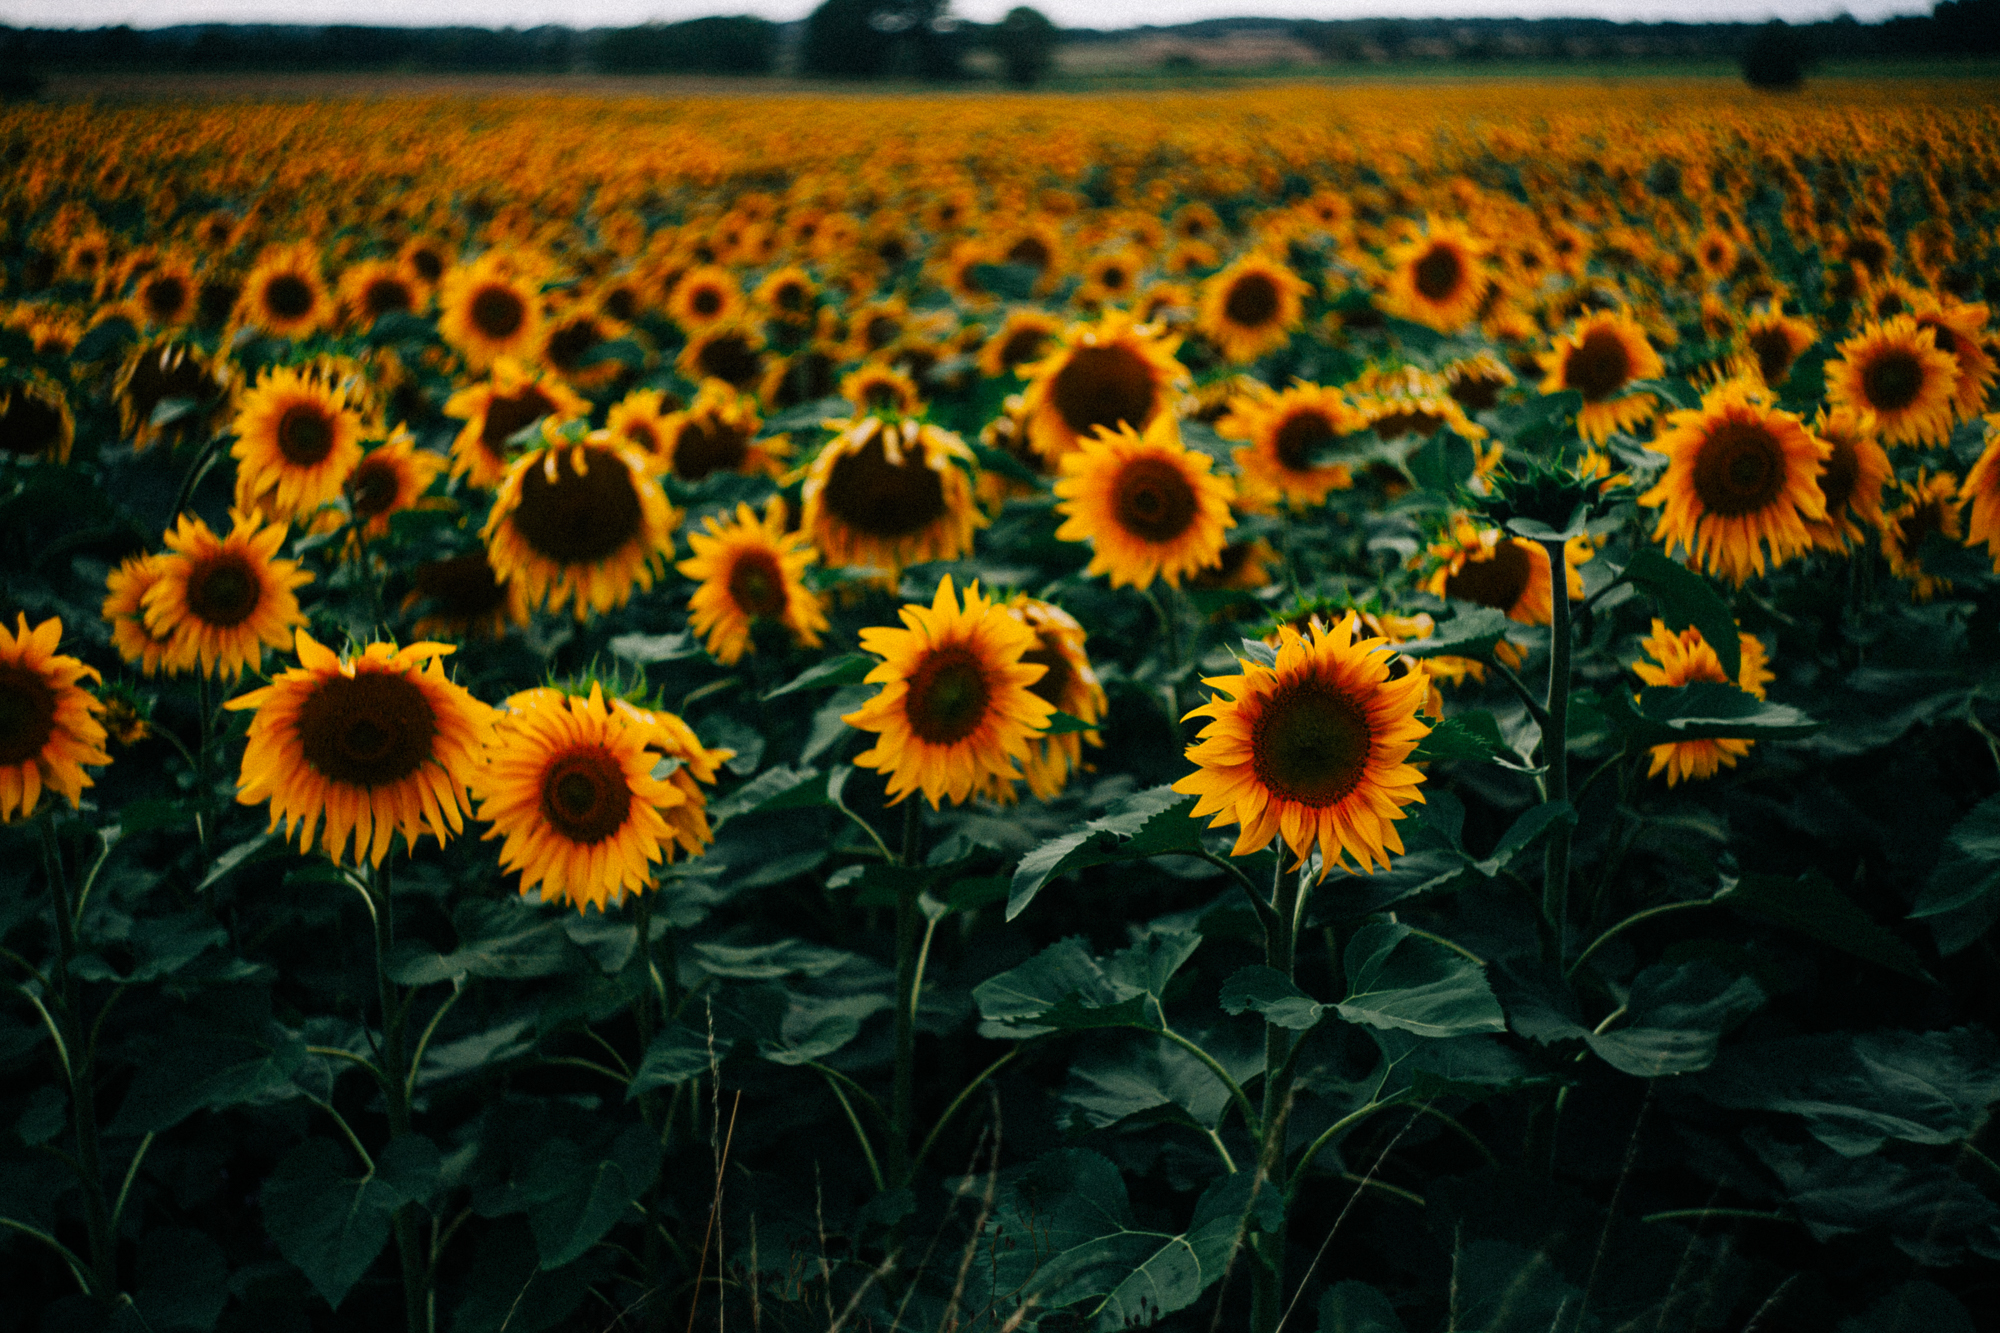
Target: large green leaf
x: 676, y: 1055
x: 847, y: 669
x: 1686, y: 598
x: 1148, y: 823
x: 1470, y: 632
x: 1398, y: 979
x: 1676, y: 1018
x: 1356, y: 1307
x: 503, y: 937
x: 1269, y: 992
x: 1705, y: 710
x: 575, y: 1196
x: 1065, y: 988
x: 1966, y: 882
x: 182, y: 1280
x: 209, y: 1065
x: 332, y: 1224
x: 1811, y: 905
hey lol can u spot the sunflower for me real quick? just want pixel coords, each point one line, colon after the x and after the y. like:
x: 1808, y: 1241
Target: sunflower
x: 1982, y: 491
x: 1852, y: 477
x: 460, y: 597
x: 1741, y: 475
x: 391, y: 477
x: 888, y: 494
x: 717, y: 433
x: 377, y: 744
x: 1251, y: 307
x: 883, y: 389
x: 568, y: 783
x: 579, y: 523
x: 298, y: 436
x: 1476, y: 382
x: 1110, y: 278
x: 1773, y: 341
x: 220, y: 601
x: 1960, y: 332
x: 875, y: 327
x: 1150, y: 507
x: 378, y: 287
x: 957, y: 709
x: 751, y: 570
x: 731, y: 352
x: 570, y: 335
x: 1683, y: 659
x: 1023, y: 337
x: 426, y: 260
x: 490, y: 309
x: 704, y: 296
x: 1101, y: 375
x: 1439, y: 278
x: 787, y: 296
x: 1928, y: 504
x: 1285, y: 430
x: 48, y: 722
x: 1599, y: 357
x: 284, y: 295
x: 514, y: 399
x: 1069, y: 685
x: 124, y: 610
x: 165, y: 293
x: 36, y: 421
x: 1510, y: 574
x: 1897, y: 380
x: 1313, y: 748
x: 1036, y: 243
x: 161, y: 371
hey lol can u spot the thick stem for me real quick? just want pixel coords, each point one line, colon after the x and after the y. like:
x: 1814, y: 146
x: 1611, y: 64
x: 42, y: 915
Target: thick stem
x: 82, y: 1080
x: 395, y: 1058
x: 1267, y: 1291
x: 1555, y: 757
x: 902, y: 1101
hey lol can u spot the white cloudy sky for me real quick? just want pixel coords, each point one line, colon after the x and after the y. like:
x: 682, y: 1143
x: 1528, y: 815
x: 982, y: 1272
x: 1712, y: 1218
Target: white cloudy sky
x: 1076, y: 13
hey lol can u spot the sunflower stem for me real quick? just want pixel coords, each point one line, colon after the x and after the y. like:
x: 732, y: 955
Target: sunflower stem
x: 1288, y: 902
x: 82, y: 1072
x: 902, y: 1101
x: 417, y: 1306
x: 1555, y: 757
x: 192, y: 477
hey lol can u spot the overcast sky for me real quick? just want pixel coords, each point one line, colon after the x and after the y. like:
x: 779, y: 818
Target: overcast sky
x: 1070, y: 13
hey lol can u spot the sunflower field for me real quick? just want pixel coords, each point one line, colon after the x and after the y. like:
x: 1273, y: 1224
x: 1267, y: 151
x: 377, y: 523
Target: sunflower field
x: 957, y: 713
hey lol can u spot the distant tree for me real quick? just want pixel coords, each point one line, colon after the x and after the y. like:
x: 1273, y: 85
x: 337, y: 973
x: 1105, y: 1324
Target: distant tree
x: 739, y: 45
x: 1967, y: 25
x: 1026, y: 43
x: 1775, y: 57
x: 869, y: 39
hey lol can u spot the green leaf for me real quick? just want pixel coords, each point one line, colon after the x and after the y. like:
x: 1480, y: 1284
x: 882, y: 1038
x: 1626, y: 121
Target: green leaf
x: 1267, y: 991
x: 1471, y: 632
x: 647, y: 649
x: 847, y: 669
x: 622, y: 350
x: 1009, y: 282
x: 242, y: 852
x: 1063, y: 724
x: 1705, y: 710
x: 1677, y: 1015
x: 677, y: 1055
x: 1912, y: 1307
x: 329, y: 1224
x: 1149, y: 823
x: 779, y: 788
x: 1442, y: 463
x: 468, y: 1055
x: 1686, y: 598
x: 1532, y: 823
x: 814, y: 1028
x: 104, y: 341
x: 1968, y: 871
x: 1812, y: 906
x: 574, y: 1200
x: 182, y: 1281
x: 157, y: 946
x: 1460, y: 738
x: 1064, y: 988
x: 1154, y: 1078
x: 768, y: 962
x: 497, y: 938
x: 198, y: 1066
x: 169, y: 410
x: 1356, y: 1307
x: 1397, y: 979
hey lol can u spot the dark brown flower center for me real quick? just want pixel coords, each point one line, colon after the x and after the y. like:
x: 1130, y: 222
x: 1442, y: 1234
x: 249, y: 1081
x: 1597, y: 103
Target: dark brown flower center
x: 373, y: 488
x: 428, y: 263
x: 1252, y: 302
x: 508, y: 414
x: 757, y: 584
x: 706, y: 302
x: 288, y: 296
x: 1395, y: 425
x: 706, y: 445
x: 790, y: 297
x: 882, y: 499
x: 498, y: 312
x: 305, y: 436
x: 621, y: 303
x: 385, y: 295
x: 1838, y: 474
x: 729, y: 358
x: 1055, y: 683
x: 569, y: 342
x: 807, y: 378
x: 462, y: 587
x: 1740, y: 469
x: 29, y: 426
x: 1476, y: 392
x: 1440, y: 273
x: 579, y: 518
x: 1311, y: 743
x: 947, y: 695
x: 1102, y: 386
x: 214, y: 302
x: 1918, y: 525
x: 224, y: 589
x: 1599, y: 366
x: 165, y: 298
x: 585, y: 795
x: 1297, y: 438
x: 1154, y: 500
x: 1030, y: 250
x: 1021, y: 347
x: 1867, y: 252
x: 880, y: 331
x: 1113, y: 278
x: 642, y: 435
x: 368, y: 730
x: 1892, y: 380
x: 1773, y: 351
x: 1497, y: 581
x: 1942, y: 337
x: 27, y: 714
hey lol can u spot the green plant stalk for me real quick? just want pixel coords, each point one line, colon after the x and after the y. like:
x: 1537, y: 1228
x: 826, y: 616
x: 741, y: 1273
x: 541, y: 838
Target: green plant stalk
x: 401, y: 1078
x: 1555, y: 758
x: 903, y: 1094
x: 1267, y: 1269
x: 82, y: 1081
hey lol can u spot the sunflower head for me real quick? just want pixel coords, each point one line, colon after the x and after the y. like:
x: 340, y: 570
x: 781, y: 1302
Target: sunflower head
x: 1924, y: 506
x: 1599, y: 358
x: 1851, y: 479
x: 460, y: 597
x: 888, y: 493
x: 1438, y: 278
x: 1150, y: 506
x: 1683, y: 658
x: 498, y: 413
x: 220, y: 600
x: 49, y: 723
x: 751, y: 570
x: 717, y: 433
x: 298, y: 436
x: 1287, y: 435
x: 1981, y: 492
x: 732, y: 352
x: 1894, y: 377
x: 1251, y: 307
x: 579, y: 522
x: 284, y: 296
x: 1101, y: 375
x: 161, y: 370
x: 390, y: 478
x: 36, y: 421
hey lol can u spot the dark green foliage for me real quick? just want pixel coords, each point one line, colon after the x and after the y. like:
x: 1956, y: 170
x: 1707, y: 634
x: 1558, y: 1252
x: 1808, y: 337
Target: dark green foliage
x: 739, y: 45
x: 1026, y: 43
x: 1776, y: 57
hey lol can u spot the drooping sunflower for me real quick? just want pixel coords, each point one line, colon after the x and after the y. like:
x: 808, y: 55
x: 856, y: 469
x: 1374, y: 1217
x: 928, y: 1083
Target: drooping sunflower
x: 1100, y: 375
x: 1925, y: 504
x: 1683, y: 659
x: 1895, y: 378
x: 36, y: 421
x: 164, y: 369
x: 1284, y: 431
x: 1742, y: 476
x: 751, y: 570
x: 390, y: 478
x: 1773, y: 341
x: 490, y: 309
x: 1251, y: 307
x: 49, y: 726
x: 460, y: 597
x: 674, y: 739
x: 1600, y: 355
x: 568, y: 783
x: 1476, y: 382
x: 887, y: 494
x: 956, y: 710
x: 1070, y: 685
x: 1851, y: 479
x: 515, y: 398
x: 1511, y: 574
x: 1023, y: 338
x: 298, y: 436
x: 378, y: 287
x: 380, y: 743
x: 570, y: 334
x: 582, y: 524
x: 1150, y: 506
x: 284, y: 295
x: 1982, y: 491
x: 1313, y: 748
x: 1959, y: 331
x: 1438, y: 278
x: 718, y: 433
x: 220, y: 601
